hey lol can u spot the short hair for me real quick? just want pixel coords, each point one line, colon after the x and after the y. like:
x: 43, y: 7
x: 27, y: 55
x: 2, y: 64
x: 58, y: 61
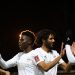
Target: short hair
x: 30, y: 34
x: 43, y: 35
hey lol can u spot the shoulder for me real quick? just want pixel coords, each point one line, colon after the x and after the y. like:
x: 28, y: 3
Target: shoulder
x: 55, y: 52
x: 67, y: 45
x: 19, y: 54
x: 37, y: 50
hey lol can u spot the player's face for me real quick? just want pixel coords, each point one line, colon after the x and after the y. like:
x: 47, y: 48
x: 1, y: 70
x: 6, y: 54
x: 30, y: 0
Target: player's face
x: 73, y: 44
x: 24, y: 42
x: 50, y: 41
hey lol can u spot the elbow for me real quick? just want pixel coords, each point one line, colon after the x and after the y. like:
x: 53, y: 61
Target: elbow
x: 45, y: 69
x: 68, y: 68
x: 4, y: 67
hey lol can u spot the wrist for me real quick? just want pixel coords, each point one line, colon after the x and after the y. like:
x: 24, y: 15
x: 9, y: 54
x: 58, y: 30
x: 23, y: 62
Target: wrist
x: 60, y: 56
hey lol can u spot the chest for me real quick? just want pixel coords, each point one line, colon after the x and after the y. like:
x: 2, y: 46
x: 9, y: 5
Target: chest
x: 48, y: 57
x: 25, y: 60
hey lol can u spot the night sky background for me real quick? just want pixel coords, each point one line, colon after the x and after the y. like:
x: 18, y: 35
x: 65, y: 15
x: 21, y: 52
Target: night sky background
x: 18, y: 16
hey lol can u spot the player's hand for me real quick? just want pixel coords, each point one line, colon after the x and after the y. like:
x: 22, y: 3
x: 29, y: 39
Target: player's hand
x: 62, y: 53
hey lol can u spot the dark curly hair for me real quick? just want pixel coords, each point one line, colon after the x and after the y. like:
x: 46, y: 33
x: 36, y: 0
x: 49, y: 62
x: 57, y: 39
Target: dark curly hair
x: 43, y: 34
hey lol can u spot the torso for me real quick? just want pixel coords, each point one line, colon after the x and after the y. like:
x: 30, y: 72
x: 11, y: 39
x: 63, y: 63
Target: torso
x: 26, y: 64
x: 50, y: 56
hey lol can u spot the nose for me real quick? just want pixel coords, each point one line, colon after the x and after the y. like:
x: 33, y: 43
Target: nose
x: 19, y: 42
x: 53, y: 40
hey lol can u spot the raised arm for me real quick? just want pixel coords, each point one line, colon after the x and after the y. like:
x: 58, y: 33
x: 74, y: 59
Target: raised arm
x: 10, y: 63
x: 50, y: 64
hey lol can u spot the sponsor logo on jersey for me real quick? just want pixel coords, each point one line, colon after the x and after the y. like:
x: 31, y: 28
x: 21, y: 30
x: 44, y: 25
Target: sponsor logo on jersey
x: 36, y: 58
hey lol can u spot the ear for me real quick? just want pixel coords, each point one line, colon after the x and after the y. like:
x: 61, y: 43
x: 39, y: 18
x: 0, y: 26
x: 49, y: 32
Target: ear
x: 43, y: 40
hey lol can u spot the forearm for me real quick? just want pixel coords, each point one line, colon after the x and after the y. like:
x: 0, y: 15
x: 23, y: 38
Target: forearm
x: 7, y: 64
x: 3, y: 64
x: 50, y: 64
x: 54, y: 62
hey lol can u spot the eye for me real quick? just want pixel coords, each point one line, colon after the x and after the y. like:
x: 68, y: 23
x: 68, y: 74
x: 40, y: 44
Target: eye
x: 51, y: 38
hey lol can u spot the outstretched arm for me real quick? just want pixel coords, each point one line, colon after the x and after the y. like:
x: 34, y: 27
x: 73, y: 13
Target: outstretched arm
x: 10, y: 63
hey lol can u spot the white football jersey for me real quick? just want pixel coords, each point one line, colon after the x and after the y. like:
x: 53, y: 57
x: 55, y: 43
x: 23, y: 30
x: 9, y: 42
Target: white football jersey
x: 47, y: 57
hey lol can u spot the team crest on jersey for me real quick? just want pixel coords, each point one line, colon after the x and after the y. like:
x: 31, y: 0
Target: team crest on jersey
x: 36, y: 58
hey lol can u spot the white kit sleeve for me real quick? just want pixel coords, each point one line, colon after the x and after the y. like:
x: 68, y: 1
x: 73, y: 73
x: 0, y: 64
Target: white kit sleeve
x: 69, y: 54
x: 10, y: 63
x: 37, y: 57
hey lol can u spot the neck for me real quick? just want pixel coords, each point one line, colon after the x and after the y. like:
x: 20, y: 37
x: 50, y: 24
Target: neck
x: 28, y: 49
x: 45, y: 48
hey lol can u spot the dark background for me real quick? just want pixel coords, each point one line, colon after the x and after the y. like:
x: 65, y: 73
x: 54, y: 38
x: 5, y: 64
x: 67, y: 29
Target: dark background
x: 17, y: 16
